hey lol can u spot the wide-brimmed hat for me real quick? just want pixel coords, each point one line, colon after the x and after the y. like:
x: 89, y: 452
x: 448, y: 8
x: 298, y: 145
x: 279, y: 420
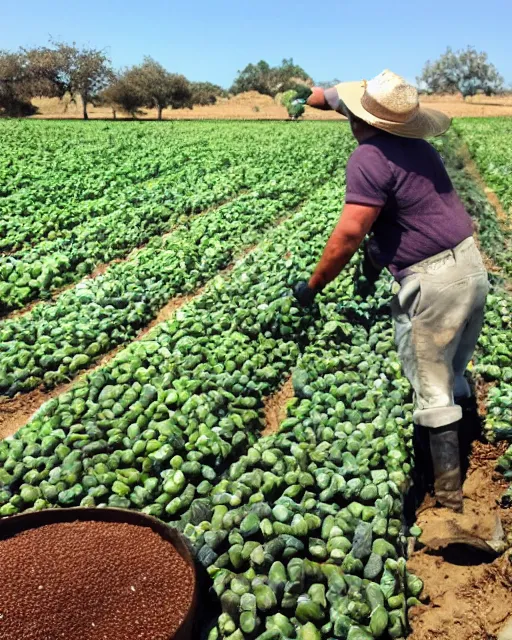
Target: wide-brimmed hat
x: 390, y: 103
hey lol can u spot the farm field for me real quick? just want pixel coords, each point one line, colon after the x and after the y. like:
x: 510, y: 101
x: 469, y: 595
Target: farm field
x: 252, y: 105
x: 145, y: 293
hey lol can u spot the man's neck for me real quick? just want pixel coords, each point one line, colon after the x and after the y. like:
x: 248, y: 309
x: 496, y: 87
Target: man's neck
x: 367, y: 134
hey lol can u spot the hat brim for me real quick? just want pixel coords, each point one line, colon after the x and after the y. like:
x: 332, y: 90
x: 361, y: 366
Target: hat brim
x: 426, y: 123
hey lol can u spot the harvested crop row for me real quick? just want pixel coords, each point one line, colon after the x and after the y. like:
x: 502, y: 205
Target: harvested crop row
x: 51, y: 264
x: 55, y: 341
x: 35, y: 212
x: 185, y: 444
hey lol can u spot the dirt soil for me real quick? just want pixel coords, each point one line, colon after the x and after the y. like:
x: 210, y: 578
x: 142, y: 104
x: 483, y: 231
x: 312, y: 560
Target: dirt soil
x: 254, y: 106
x: 469, y: 593
x: 274, y: 407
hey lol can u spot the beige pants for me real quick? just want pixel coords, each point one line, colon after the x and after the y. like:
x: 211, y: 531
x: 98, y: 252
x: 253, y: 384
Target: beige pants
x: 438, y: 314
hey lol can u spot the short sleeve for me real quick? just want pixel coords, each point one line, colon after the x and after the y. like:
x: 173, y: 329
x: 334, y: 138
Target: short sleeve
x: 334, y: 101
x: 368, y: 177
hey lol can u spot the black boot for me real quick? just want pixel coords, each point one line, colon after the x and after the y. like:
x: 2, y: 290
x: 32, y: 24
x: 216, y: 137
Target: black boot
x: 444, y: 447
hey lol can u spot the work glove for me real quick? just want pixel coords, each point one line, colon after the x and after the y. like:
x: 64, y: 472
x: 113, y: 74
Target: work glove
x: 304, y: 294
x: 302, y: 93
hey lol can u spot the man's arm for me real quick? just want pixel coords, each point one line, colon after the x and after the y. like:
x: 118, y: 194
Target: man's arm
x: 355, y: 222
x: 317, y: 99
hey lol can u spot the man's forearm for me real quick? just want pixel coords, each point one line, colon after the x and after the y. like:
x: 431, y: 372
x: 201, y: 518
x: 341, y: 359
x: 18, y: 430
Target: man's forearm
x: 347, y: 236
x: 317, y: 99
x: 336, y: 255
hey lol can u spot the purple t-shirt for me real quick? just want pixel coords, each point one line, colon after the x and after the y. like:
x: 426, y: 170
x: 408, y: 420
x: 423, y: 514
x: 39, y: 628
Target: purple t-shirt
x: 421, y: 214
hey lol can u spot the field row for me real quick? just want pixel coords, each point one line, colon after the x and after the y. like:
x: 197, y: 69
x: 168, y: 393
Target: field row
x: 62, y: 242
x: 157, y: 427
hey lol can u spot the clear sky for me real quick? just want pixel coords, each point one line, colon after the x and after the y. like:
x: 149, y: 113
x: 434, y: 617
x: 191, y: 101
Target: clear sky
x: 212, y: 40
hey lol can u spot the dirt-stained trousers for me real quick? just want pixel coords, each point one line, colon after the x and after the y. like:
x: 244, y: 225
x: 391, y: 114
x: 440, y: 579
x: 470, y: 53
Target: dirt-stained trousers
x: 438, y: 314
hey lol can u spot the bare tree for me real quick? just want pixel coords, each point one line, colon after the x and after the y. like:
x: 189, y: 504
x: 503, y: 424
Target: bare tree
x: 466, y: 71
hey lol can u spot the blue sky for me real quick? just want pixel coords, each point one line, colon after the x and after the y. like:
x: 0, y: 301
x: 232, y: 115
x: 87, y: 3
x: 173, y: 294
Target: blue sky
x: 211, y: 40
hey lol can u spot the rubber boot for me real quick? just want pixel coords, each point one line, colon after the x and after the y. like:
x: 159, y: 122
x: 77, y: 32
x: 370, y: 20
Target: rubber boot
x: 444, y: 447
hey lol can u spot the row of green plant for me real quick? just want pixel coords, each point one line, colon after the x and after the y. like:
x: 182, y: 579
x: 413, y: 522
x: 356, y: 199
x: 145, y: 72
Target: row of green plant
x: 302, y: 532
x: 486, y: 140
x: 56, y: 340
x: 236, y: 161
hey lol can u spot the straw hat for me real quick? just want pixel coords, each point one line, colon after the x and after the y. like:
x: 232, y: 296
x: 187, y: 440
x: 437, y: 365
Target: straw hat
x: 390, y: 103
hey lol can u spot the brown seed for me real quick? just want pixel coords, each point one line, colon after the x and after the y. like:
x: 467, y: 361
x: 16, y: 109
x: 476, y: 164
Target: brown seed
x: 90, y: 581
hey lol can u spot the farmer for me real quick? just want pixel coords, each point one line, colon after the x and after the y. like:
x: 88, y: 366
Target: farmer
x: 398, y: 192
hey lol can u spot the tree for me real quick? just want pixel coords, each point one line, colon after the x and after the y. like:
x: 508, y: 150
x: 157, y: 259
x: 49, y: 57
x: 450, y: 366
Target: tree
x: 157, y: 87
x: 15, y: 92
x: 43, y: 66
x: 270, y: 81
x: 80, y: 72
x: 466, y: 71
x: 204, y: 93
x: 121, y: 94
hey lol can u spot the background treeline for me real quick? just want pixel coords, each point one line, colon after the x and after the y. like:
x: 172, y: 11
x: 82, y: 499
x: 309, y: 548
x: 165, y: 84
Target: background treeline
x: 59, y: 69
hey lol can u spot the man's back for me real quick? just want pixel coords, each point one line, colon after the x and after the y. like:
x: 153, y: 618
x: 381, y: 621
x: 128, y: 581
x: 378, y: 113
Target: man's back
x: 421, y: 215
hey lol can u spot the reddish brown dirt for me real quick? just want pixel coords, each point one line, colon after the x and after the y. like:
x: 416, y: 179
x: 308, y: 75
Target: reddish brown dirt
x: 274, y: 407
x: 93, y: 580
x: 468, y: 600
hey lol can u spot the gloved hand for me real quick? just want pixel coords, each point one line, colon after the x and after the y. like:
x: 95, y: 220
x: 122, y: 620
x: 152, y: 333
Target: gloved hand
x: 304, y: 294
x: 302, y: 93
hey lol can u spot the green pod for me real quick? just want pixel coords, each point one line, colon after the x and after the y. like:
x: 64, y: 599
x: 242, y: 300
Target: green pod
x: 249, y: 525
x: 248, y: 602
x: 280, y: 623
x: 317, y: 594
x: 277, y: 577
x: 265, y: 597
x: 352, y: 565
x: 358, y: 633
x: 240, y: 585
x: 226, y: 624
x: 384, y: 548
x: 396, y: 602
x: 414, y: 585
x: 378, y: 621
x: 248, y: 621
x: 373, y: 567
x: 374, y: 595
x: 309, y: 632
x: 230, y: 603
x: 308, y: 611
x: 235, y: 556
